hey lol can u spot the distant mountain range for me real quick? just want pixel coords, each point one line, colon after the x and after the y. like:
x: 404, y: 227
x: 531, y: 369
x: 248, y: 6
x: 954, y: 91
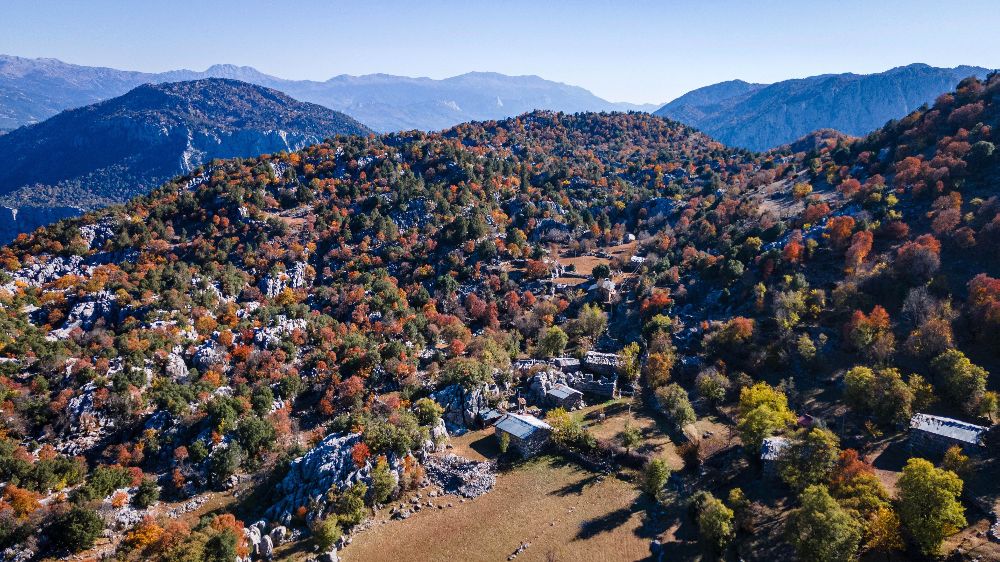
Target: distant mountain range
x: 32, y: 90
x: 113, y: 150
x: 763, y: 116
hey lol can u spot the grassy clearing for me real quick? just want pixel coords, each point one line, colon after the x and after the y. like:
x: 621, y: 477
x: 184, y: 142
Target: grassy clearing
x: 565, y: 512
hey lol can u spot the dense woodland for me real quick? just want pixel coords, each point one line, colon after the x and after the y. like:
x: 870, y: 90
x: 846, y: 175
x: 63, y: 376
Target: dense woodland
x: 334, y: 288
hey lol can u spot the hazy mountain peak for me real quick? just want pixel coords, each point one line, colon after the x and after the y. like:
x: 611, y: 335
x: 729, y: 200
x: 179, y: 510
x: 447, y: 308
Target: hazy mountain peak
x: 760, y: 116
x: 34, y: 89
x: 118, y: 148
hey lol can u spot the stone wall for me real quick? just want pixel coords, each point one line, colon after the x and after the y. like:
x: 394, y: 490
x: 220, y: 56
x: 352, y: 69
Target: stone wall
x: 532, y: 444
x: 932, y: 443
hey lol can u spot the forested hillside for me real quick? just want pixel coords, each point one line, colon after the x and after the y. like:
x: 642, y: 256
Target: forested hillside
x: 111, y: 151
x: 339, y: 310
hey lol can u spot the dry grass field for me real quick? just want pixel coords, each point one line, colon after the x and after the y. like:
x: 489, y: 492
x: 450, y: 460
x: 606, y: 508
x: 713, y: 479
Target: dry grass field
x: 563, y: 511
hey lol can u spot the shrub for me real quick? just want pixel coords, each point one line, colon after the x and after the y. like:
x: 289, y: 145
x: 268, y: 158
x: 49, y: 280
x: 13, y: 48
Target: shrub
x: 76, y: 530
x: 674, y: 403
x: 383, y: 484
x: 552, y: 342
x: 428, y: 411
x: 959, y: 380
x: 351, y: 505
x: 223, y: 463
x: 762, y: 411
x: 655, y: 476
x: 928, y: 504
x: 715, y: 523
x: 821, y: 530
x: 327, y: 532
x: 147, y: 494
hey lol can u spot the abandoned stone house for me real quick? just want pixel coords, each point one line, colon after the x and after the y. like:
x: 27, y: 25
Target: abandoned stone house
x: 935, y: 434
x: 528, y: 434
x: 770, y: 452
x: 605, y: 364
x: 525, y: 366
x: 594, y: 384
x: 566, y: 364
x: 562, y: 396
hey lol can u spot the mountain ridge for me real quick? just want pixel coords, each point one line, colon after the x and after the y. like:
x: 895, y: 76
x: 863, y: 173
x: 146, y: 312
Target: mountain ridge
x: 763, y: 116
x: 118, y: 148
x: 34, y: 89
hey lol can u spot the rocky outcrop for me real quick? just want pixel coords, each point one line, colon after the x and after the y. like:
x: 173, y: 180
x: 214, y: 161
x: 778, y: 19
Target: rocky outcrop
x: 40, y: 273
x: 283, y: 326
x: 310, y: 476
x: 272, y: 285
x: 300, y: 275
x: 97, y: 234
x: 462, y: 407
x: 87, y: 424
x: 327, y: 465
x: 209, y: 355
x: 175, y: 367
x: 85, y: 314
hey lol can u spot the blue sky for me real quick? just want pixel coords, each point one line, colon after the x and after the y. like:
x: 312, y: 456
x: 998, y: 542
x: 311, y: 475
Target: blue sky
x: 639, y: 51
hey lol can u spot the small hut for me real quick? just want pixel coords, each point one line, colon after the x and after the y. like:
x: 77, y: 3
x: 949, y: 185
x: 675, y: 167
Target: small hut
x: 528, y: 434
x: 562, y: 396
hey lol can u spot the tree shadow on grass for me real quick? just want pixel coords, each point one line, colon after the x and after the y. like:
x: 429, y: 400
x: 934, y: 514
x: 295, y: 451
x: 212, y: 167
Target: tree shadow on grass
x: 605, y: 523
x: 577, y: 488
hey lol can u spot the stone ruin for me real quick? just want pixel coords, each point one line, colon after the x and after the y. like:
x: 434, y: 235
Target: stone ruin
x: 584, y: 382
x: 461, y: 476
x: 605, y: 364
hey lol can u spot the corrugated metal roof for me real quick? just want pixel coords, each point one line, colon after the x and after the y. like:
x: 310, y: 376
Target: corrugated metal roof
x: 771, y: 447
x: 563, y: 392
x: 521, y: 426
x: 948, y: 427
x: 490, y: 415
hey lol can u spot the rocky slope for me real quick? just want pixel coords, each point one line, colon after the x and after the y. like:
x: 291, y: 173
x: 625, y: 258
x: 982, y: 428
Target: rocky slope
x: 32, y: 90
x: 302, y: 325
x: 110, y: 151
x: 759, y: 116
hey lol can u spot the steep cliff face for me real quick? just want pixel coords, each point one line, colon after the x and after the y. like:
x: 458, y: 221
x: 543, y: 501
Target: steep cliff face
x: 760, y: 117
x: 111, y: 151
